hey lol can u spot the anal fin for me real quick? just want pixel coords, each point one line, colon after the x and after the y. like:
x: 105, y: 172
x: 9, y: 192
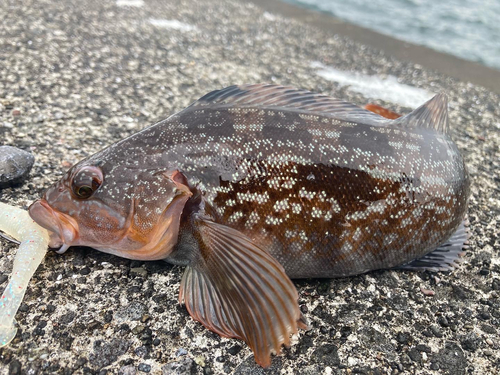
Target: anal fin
x: 238, y: 290
x: 447, y: 256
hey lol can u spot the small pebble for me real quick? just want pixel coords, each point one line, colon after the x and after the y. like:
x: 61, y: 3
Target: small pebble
x: 144, y: 367
x: 427, y: 292
x: 235, y: 349
x: 15, y: 165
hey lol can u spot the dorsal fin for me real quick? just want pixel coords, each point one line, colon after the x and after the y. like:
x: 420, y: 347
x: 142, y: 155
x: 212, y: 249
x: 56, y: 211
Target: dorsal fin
x: 286, y: 98
x: 433, y: 114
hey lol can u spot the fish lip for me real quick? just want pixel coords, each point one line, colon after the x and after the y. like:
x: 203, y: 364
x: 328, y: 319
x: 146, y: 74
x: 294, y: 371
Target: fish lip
x: 63, y: 230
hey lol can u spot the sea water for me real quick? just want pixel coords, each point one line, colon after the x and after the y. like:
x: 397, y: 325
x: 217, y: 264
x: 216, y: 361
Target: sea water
x: 469, y: 29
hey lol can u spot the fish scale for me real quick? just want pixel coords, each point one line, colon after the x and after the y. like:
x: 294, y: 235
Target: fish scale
x: 355, y: 170
x: 254, y: 184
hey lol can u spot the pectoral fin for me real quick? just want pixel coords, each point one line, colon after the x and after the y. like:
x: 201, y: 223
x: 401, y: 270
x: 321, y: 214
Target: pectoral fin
x: 238, y: 290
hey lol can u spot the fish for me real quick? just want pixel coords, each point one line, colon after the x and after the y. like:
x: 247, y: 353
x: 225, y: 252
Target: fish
x: 254, y: 185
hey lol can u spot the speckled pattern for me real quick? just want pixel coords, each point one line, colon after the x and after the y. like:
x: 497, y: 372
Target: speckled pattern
x: 77, y: 76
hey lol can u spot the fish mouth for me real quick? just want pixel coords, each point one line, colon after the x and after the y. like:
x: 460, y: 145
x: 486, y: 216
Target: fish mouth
x: 63, y: 229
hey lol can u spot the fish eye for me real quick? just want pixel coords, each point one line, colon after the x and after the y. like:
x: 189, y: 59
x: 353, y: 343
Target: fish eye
x: 86, y: 181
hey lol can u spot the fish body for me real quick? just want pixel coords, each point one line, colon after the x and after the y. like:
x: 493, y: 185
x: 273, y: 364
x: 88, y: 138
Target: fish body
x: 252, y: 182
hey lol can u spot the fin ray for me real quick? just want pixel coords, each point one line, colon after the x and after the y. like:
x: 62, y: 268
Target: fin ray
x: 433, y: 114
x: 268, y: 96
x: 238, y: 290
x: 247, y: 277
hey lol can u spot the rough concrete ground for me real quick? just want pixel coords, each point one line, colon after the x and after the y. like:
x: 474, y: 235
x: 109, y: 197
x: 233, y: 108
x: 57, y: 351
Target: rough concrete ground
x: 76, y: 76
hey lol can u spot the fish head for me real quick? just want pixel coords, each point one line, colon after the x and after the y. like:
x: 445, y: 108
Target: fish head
x: 115, y: 208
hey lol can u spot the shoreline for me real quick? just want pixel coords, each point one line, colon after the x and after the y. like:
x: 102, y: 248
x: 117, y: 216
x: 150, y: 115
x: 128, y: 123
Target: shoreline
x: 452, y: 66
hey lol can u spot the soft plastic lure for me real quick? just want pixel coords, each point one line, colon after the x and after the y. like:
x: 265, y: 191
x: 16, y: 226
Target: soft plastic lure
x: 34, y: 242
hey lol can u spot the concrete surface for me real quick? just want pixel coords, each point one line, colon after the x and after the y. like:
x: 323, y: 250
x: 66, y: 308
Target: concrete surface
x: 76, y: 76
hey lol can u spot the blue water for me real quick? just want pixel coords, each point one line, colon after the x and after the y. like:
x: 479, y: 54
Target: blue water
x: 469, y: 29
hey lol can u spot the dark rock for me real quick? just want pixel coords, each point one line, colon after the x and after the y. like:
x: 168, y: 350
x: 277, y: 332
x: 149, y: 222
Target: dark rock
x: 424, y: 348
x: 250, y: 367
x: 235, y: 349
x: 108, y: 316
x: 66, y: 341
x: 488, y: 329
x: 182, y: 367
x: 107, y: 353
x: 461, y: 293
x: 443, y: 321
x: 323, y: 288
x: 436, y: 331
x: 144, y: 367
x: 405, y: 359
x: 85, y: 271
x: 402, y: 338
x: 484, y: 315
x: 15, y: 165
x: 94, y: 325
x: 415, y: 355
x: 326, y: 355
x: 39, y: 329
x: 15, y: 367
x: 67, y: 318
x: 304, y: 344
x: 377, y: 340
x: 451, y: 359
x: 141, y: 351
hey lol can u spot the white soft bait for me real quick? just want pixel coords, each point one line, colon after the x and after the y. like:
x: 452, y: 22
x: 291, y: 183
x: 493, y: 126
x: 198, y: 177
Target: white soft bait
x: 34, y: 242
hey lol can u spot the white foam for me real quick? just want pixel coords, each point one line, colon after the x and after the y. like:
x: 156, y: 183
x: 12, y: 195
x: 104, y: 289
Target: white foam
x: 171, y: 24
x: 130, y: 3
x: 375, y: 87
x: 269, y: 16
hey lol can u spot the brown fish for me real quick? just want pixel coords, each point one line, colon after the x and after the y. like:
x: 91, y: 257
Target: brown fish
x: 253, y: 185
